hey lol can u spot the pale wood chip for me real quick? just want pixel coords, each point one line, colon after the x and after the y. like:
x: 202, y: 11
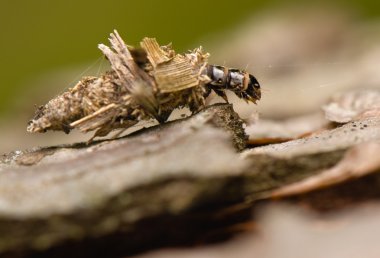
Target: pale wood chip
x: 178, y: 74
x: 155, y: 53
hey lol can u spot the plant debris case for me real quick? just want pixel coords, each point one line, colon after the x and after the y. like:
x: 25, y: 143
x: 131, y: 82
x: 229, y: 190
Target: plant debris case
x: 144, y: 83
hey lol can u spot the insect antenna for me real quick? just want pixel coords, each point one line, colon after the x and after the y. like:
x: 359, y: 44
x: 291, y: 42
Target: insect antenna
x: 247, y: 67
x: 265, y: 90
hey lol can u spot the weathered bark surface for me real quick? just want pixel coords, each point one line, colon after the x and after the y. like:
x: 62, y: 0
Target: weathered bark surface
x: 49, y: 196
x: 166, y: 185
x: 168, y: 180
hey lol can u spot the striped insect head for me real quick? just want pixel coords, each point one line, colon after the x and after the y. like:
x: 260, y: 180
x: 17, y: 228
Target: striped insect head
x: 253, y: 91
x: 244, y: 85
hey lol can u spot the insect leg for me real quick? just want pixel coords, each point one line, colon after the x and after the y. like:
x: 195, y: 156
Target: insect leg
x: 207, y: 92
x: 122, y: 130
x: 116, y: 135
x: 103, y: 131
x: 107, y: 128
x: 222, y: 94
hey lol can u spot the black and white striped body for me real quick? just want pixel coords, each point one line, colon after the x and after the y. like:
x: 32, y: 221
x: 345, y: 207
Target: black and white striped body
x: 243, y: 84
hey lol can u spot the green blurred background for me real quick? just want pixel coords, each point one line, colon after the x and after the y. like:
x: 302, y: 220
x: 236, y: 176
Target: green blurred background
x: 42, y: 36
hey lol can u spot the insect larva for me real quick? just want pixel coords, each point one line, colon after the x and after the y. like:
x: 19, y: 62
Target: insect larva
x: 146, y: 82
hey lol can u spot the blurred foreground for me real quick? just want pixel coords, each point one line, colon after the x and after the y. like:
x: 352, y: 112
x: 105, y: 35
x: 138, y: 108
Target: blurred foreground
x: 287, y: 232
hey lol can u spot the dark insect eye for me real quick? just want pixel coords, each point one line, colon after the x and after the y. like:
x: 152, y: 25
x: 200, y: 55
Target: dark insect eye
x: 253, y: 81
